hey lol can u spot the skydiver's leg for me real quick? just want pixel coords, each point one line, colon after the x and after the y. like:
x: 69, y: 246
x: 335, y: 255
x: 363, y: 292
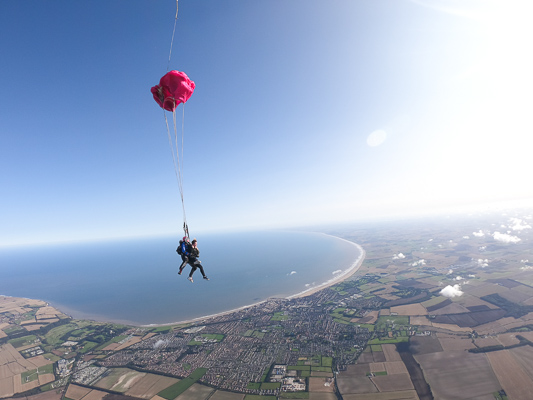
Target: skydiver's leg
x: 185, y: 260
x: 198, y: 264
x: 192, y: 270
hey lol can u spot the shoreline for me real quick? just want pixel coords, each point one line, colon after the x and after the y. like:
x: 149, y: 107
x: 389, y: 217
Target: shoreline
x: 338, y: 277
x: 307, y: 292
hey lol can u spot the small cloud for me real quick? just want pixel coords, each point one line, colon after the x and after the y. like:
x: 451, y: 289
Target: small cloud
x: 398, y: 256
x: 471, y: 276
x: 518, y: 225
x: 526, y: 267
x: 524, y: 261
x: 482, y: 248
x: 505, y: 238
x: 159, y: 343
x: 452, y: 291
x: 478, y: 233
x: 337, y: 271
x: 430, y: 240
x: 458, y: 278
x: 482, y: 262
x: 450, y: 271
x: 376, y: 138
x: 466, y: 237
x: 291, y: 273
x: 419, y: 262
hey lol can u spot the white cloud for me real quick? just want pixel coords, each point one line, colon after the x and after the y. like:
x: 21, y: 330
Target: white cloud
x: 478, y: 233
x: 471, y: 276
x: 419, y: 262
x: 482, y: 262
x: 291, y: 273
x: 505, y: 238
x: 452, y: 291
x: 398, y: 256
x: 466, y: 237
x: 337, y: 271
x: 526, y: 267
x: 518, y: 225
x: 450, y: 271
x: 482, y: 248
x: 458, y: 278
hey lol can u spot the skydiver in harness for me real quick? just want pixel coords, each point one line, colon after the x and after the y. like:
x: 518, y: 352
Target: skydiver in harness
x: 194, y: 262
x: 184, y: 250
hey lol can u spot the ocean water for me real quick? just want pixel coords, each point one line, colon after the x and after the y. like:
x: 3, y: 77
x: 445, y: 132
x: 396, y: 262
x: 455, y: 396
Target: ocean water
x: 137, y: 281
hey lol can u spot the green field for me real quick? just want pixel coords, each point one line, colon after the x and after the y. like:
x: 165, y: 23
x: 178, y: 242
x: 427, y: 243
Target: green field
x: 279, y: 316
x: 386, y: 321
x: 22, y: 341
x: 253, y: 385
x: 270, y: 385
x: 180, y: 387
x: 294, y: 395
x: 389, y: 340
x: 258, y: 397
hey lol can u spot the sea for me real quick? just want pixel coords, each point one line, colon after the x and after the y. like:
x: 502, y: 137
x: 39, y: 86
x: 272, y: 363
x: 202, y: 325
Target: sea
x: 136, y: 281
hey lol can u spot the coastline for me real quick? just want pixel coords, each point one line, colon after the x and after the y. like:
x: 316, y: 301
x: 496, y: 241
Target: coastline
x: 338, y: 276
x: 308, y: 292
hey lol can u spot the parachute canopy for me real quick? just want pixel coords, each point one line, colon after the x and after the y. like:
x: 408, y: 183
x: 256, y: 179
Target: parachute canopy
x: 174, y: 88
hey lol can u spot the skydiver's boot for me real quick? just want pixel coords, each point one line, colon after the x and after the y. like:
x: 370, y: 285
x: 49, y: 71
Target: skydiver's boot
x: 206, y: 278
x: 190, y: 278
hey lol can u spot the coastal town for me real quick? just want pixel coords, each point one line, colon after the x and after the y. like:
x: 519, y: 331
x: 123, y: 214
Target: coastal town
x: 454, y: 299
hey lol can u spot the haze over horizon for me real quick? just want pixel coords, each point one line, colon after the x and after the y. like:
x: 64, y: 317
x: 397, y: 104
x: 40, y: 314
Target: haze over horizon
x: 304, y: 113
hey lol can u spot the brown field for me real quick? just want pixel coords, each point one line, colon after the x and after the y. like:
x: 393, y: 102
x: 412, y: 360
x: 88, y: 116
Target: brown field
x: 392, y: 383
x: 527, y: 335
x: 450, y: 343
x: 321, y: 396
x: 156, y: 397
x: 410, y: 309
x: 419, y: 320
x: 425, y: 344
x: 391, y: 354
x: 149, y: 385
x: 486, y: 341
x: 508, y: 339
x: 318, y: 385
x: 120, y: 379
x: 399, y: 395
x: 377, y: 367
x: 452, y: 308
x: 378, y: 356
x: 18, y: 386
x: 458, y: 374
x: 516, y: 383
x: 515, y: 296
x: 488, y: 288
x: 111, y: 347
x: 354, y: 384
x: 395, y: 367
x: 46, y: 378
x: 76, y: 392
x: 357, y: 369
x: 131, y: 342
x: 222, y: 395
x: 453, y: 327
x: 50, y: 395
x: 524, y: 356
x: 369, y: 318
x: 95, y: 395
x: 197, y: 392
x: 384, y: 312
x: 468, y: 300
x: 528, y: 302
x: 524, y: 289
x: 6, y: 387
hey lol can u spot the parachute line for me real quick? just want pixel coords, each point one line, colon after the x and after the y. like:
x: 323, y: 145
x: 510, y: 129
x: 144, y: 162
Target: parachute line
x: 177, y: 160
x: 172, y: 40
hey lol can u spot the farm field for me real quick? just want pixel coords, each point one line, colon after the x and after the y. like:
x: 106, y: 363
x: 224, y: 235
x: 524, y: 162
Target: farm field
x: 513, y: 379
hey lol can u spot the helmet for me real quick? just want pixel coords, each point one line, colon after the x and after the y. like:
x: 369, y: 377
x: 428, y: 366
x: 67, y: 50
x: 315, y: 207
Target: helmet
x: 185, y: 239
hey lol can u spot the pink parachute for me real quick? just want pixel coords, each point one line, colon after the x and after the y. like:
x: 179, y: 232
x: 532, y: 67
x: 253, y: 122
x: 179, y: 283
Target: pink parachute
x: 174, y: 88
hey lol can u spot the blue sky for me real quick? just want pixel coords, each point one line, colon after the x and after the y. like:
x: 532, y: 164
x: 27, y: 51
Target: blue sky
x: 304, y: 112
